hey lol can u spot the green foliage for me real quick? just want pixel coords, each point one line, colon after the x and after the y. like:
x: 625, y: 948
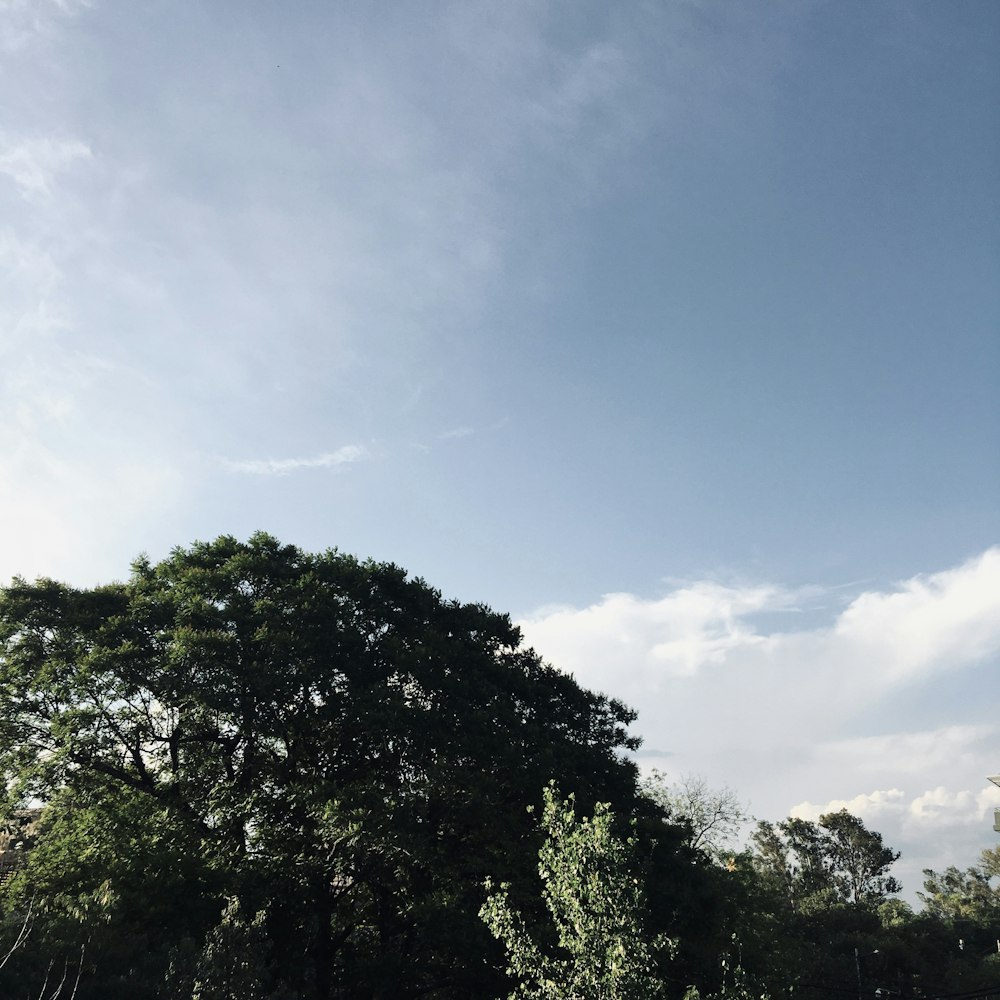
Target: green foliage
x: 233, y: 962
x: 960, y: 906
x: 954, y: 895
x: 820, y: 889
x: 837, y: 860
x: 335, y: 758
x: 112, y: 876
x: 735, y: 983
x: 595, y: 899
x: 324, y: 740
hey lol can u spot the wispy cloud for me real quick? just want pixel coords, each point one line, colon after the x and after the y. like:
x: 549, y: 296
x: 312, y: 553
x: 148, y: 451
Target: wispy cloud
x: 22, y: 20
x: 32, y: 163
x: 346, y: 455
x: 455, y: 433
x: 31, y: 306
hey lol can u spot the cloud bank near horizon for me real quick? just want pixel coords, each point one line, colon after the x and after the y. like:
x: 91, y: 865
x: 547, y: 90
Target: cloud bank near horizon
x: 793, y: 716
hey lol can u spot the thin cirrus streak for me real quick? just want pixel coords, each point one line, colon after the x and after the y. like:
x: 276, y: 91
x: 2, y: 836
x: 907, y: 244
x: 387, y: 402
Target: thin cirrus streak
x: 283, y: 466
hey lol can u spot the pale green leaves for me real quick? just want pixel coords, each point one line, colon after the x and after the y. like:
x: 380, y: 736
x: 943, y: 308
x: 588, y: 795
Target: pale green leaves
x: 595, y: 899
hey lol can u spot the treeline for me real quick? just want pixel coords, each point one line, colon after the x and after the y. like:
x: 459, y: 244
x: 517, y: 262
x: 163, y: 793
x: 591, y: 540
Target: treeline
x: 821, y: 917
x: 254, y: 772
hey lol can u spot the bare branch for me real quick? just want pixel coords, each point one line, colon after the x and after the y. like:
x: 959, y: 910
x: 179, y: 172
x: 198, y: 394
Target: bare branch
x: 22, y: 934
x: 55, y: 993
x: 79, y: 971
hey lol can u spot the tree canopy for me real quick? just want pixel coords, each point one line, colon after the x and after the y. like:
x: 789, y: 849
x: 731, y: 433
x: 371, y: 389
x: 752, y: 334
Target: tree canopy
x: 837, y: 858
x: 324, y: 740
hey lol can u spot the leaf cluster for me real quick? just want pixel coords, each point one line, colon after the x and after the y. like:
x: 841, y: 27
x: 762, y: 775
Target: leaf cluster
x: 591, y: 888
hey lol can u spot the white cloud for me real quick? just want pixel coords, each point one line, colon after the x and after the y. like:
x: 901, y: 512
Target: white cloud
x: 867, y: 805
x: 957, y: 752
x: 676, y: 635
x: 933, y: 808
x: 942, y: 806
x: 283, y: 466
x: 939, y: 806
x: 938, y: 622
x: 794, y: 716
x: 947, y: 617
x: 930, y: 621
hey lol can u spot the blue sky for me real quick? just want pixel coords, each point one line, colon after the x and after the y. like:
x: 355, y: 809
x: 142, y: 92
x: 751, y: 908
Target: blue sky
x: 670, y: 328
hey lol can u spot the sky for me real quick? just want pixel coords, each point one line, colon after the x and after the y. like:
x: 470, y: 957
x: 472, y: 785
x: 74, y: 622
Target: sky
x: 670, y: 328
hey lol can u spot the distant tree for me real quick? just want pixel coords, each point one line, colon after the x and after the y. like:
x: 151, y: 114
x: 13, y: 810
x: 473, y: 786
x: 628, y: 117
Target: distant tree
x: 957, y: 895
x: 824, y: 886
x: 714, y: 817
x: 837, y: 859
x: 591, y: 887
x: 858, y: 860
x: 734, y: 982
x: 967, y: 904
x: 989, y: 862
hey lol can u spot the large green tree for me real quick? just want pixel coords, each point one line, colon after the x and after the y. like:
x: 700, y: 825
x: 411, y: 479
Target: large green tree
x: 325, y: 741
